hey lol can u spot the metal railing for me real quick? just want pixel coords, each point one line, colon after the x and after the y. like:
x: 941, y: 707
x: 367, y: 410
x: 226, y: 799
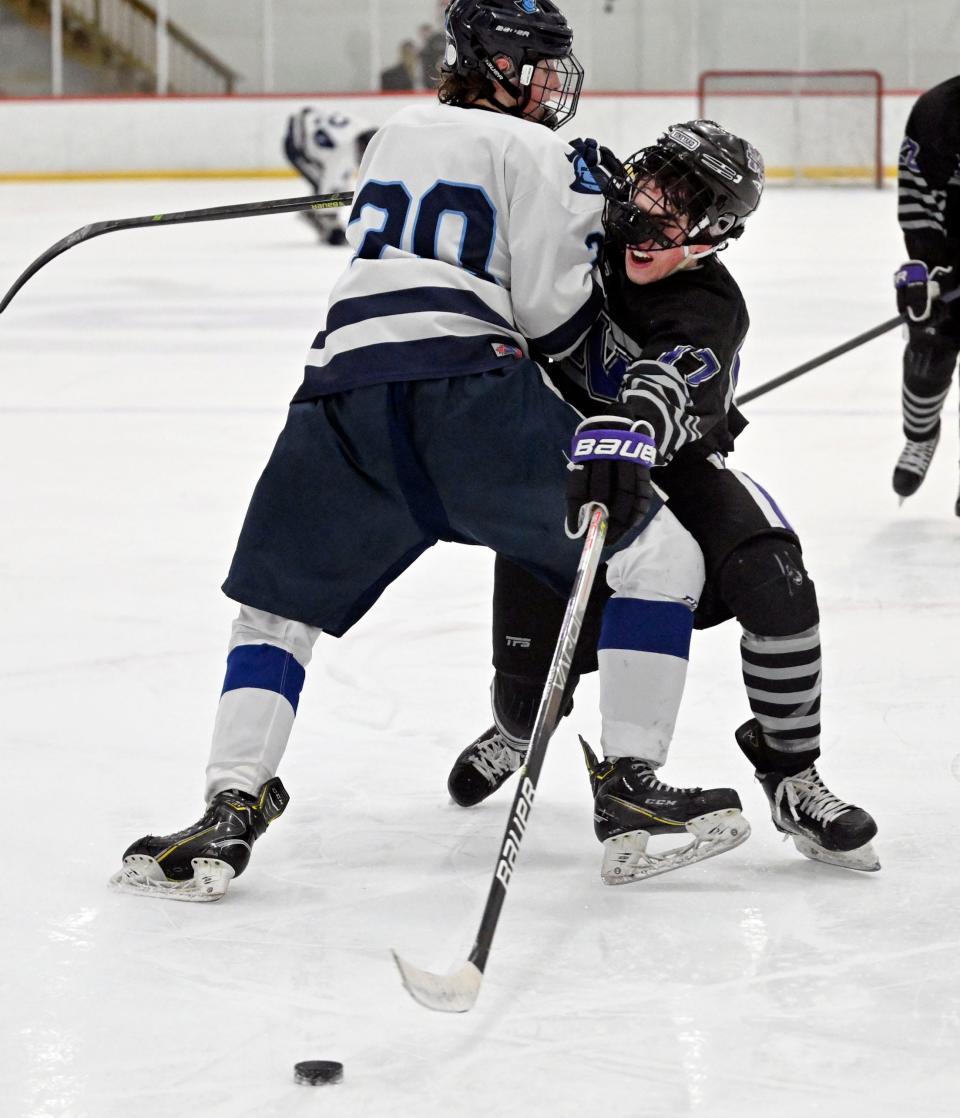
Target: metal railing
x: 130, y: 37
x: 131, y: 27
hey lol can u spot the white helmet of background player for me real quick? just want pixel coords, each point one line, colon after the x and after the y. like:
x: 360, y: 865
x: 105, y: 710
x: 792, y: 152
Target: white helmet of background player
x: 523, y: 47
x: 696, y: 171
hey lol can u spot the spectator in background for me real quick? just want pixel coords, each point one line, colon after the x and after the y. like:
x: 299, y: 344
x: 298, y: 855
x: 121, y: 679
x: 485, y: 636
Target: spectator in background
x: 433, y: 44
x: 405, y: 74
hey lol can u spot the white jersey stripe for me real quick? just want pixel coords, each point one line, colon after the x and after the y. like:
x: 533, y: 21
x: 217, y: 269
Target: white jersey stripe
x: 499, y: 251
x: 407, y: 328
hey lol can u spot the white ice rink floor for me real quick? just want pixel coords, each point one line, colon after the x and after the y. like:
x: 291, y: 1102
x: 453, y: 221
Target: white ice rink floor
x: 143, y: 379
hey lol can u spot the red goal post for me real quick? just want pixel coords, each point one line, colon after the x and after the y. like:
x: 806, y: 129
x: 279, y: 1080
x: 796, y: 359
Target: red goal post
x: 811, y: 126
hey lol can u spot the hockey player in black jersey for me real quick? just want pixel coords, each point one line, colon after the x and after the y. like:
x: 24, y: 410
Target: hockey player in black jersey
x: 929, y: 214
x: 666, y: 349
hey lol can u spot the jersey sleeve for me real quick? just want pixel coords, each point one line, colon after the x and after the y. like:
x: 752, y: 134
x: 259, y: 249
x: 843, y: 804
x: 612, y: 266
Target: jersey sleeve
x: 929, y: 165
x: 295, y: 145
x: 683, y: 382
x: 554, y: 239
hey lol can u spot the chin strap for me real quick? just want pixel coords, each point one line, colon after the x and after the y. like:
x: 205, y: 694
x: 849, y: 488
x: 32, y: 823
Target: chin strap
x: 692, y: 259
x: 521, y: 93
x: 697, y: 256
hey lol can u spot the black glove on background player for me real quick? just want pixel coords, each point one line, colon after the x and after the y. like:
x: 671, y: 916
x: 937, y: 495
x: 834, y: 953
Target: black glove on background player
x: 919, y: 290
x: 610, y: 460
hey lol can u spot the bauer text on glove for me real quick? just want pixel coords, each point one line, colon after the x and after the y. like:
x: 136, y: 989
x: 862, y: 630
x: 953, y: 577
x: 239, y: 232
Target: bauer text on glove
x: 610, y: 460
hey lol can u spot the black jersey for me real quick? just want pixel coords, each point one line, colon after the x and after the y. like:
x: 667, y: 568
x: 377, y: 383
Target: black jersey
x: 929, y: 177
x: 673, y: 347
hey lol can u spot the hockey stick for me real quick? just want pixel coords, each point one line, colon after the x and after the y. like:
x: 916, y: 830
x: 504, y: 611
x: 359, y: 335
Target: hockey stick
x: 837, y: 351
x: 457, y: 992
x: 214, y: 213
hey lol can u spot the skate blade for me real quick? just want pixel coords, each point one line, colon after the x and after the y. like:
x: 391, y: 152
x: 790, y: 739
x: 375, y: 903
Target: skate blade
x: 863, y: 858
x: 625, y: 857
x: 142, y: 874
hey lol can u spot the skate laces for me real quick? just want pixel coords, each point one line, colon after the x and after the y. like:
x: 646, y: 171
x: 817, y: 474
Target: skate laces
x: 647, y: 778
x: 916, y: 456
x: 495, y: 757
x: 807, y: 792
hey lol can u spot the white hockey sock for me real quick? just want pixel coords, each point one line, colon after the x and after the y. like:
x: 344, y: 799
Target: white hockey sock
x: 642, y: 652
x: 265, y: 673
x: 645, y: 639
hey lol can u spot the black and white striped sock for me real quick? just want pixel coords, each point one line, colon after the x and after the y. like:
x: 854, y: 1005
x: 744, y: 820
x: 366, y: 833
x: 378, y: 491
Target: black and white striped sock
x: 782, y: 677
x: 927, y: 373
x: 921, y: 414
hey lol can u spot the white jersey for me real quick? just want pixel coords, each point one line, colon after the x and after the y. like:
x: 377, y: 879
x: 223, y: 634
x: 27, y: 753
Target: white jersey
x: 474, y: 233
x: 323, y: 148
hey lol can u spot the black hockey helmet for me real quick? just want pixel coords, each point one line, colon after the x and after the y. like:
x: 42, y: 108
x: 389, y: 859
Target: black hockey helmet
x: 696, y: 185
x: 503, y: 40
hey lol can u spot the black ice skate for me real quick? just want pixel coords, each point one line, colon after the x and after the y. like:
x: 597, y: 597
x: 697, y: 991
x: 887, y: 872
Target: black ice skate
x: 912, y: 465
x: 197, y: 863
x: 484, y: 766
x: 821, y: 825
x: 631, y: 805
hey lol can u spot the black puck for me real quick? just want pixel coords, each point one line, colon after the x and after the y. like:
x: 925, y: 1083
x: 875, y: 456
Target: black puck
x: 318, y: 1073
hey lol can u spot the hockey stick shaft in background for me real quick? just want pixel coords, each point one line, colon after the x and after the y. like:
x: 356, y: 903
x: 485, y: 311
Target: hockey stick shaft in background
x: 457, y: 992
x: 837, y: 351
x: 214, y: 213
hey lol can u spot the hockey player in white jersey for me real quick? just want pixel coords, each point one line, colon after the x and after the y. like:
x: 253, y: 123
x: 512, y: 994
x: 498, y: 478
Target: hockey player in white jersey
x: 326, y: 146
x: 422, y: 417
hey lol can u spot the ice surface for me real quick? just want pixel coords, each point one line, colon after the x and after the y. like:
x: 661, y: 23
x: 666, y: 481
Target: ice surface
x: 144, y: 377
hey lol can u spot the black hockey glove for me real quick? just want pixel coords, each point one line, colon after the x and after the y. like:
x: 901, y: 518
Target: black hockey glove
x: 610, y: 462
x: 919, y: 290
x: 609, y: 172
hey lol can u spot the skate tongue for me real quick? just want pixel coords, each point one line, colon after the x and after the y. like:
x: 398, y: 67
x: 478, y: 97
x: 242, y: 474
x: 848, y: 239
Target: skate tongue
x: 592, y: 762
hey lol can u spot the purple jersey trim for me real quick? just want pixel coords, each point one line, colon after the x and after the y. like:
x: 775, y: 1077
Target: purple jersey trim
x: 773, y: 504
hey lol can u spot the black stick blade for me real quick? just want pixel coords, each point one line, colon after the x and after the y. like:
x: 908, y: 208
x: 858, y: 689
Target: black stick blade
x: 184, y: 217
x: 74, y: 238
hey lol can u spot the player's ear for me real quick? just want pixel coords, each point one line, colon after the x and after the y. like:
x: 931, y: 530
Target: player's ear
x: 505, y: 65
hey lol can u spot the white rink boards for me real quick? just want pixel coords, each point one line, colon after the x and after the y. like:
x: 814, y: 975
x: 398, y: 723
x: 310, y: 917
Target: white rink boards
x: 144, y: 377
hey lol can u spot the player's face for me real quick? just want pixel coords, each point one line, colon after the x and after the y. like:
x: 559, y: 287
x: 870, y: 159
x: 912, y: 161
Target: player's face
x: 649, y: 261
x: 546, y: 90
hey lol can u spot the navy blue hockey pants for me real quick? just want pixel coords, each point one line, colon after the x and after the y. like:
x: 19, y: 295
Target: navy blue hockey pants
x: 362, y: 482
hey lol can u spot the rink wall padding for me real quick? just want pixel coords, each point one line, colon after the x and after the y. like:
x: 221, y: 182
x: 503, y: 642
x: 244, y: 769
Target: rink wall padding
x: 148, y: 137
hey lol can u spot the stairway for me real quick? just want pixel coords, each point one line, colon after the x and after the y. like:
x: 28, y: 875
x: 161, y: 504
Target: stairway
x: 111, y: 46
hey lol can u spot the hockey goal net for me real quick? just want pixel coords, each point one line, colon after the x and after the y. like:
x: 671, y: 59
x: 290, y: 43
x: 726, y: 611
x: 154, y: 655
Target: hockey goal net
x: 811, y: 126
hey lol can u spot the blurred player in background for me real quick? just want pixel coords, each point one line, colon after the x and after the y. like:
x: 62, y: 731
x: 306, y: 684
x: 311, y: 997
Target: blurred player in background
x: 326, y: 147
x: 422, y: 417
x: 667, y: 347
x: 929, y: 214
